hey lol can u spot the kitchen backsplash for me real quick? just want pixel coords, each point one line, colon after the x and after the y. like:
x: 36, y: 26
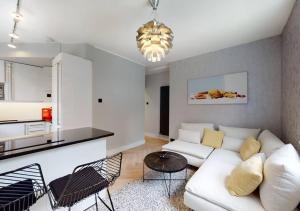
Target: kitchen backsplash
x: 22, y: 111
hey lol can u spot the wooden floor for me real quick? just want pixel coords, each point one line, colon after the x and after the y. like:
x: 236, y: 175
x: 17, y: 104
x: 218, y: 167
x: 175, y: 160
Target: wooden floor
x: 132, y: 164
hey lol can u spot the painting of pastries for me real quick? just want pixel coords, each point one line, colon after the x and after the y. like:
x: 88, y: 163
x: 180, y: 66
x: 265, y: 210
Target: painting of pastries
x: 222, y: 89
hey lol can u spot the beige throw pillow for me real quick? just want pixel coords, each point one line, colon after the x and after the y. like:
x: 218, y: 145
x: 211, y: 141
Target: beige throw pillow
x: 247, y: 176
x: 213, y: 138
x: 250, y: 147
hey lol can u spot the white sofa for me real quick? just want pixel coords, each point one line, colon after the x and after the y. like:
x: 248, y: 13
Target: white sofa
x: 206, y: 190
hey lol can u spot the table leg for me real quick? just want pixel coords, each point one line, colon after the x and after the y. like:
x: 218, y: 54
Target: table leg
x: 143, y: 171
x: 170, y: 185
x: 185, y: 174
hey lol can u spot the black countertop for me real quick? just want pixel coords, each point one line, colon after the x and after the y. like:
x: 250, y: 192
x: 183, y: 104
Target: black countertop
x: 14, y: 121
x: 27, y: 145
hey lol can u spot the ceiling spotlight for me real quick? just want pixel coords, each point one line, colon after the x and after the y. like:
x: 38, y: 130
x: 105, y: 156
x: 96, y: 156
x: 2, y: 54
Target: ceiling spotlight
x: 11, y: 45
x: 14, y: 35
x: 17, y: 16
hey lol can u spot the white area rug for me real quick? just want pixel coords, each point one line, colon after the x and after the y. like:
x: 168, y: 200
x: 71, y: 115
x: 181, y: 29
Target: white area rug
x: 150, y: 195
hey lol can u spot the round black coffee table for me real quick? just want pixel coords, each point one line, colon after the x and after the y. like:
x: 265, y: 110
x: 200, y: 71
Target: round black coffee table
x: 165, y: 162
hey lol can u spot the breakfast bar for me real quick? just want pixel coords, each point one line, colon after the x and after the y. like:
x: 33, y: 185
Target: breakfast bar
x: 58, y: 153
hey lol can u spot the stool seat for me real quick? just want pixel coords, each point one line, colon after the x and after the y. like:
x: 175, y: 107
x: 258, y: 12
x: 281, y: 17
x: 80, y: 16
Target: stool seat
x: 21, y: 188
x: 21, y: 192
x: 79, y: 185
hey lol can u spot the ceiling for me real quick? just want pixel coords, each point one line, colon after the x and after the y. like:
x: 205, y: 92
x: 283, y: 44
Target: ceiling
x: 42, y: 62
x: 199, y: 26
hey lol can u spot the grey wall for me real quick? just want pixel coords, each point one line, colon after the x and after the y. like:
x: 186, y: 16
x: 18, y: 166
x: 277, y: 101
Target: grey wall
x: 121, y: 84
x: 262, y: 61
x: 152, y: 95
x: 291, y: 78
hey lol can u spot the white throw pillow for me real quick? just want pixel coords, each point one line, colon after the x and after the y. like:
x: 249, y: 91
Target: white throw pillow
x: 232, y: 144
x: 269, y: 142
x: 197, y: 127
x: 280, y: 190
x: 189, y: 136
x: 241, y: 133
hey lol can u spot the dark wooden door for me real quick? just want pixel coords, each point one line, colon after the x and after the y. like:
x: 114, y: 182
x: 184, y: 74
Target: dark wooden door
x: 164, y: 110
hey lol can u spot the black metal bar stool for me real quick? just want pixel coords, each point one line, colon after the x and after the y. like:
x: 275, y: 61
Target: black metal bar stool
x: 86, y: 180
x: 21, y: 188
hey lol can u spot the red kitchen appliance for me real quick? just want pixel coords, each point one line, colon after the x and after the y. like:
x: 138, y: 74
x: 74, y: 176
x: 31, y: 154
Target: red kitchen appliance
x: 47, y: 114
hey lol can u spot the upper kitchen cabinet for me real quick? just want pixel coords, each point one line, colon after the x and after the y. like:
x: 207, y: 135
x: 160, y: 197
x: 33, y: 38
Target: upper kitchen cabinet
x: 2, y: 72
x: 24, y: 82
x: 30, y: 83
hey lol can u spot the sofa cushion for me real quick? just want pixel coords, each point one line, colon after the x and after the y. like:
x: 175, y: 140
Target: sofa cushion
x: 247, y: 176
x: 209, y: 183
x: 280, y: 189
x: 241, y: 133
x: 197, y: 127
x: 197, y: 150
x: 189, y: 136
x: 250, y: 147
x: 212, y: 138
x: 269, y: 142
x: 232, y: 144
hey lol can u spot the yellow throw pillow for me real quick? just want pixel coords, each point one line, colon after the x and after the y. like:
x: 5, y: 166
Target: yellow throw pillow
x: 246, y: 177
x: 250, y: 147
x: 213, y: 138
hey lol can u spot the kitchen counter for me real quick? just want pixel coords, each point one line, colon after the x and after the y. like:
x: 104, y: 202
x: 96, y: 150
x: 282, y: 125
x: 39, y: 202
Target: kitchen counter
x: 58, y: 154
x: 13, y: 121
x: 27, y: 145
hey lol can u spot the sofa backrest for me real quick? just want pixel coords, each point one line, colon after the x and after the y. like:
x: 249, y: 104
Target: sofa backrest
x: 269, y: 142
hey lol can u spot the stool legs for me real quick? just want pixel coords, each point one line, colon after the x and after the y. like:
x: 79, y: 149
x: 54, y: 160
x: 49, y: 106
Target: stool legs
x: 96, y: 202
x: 111, y: 203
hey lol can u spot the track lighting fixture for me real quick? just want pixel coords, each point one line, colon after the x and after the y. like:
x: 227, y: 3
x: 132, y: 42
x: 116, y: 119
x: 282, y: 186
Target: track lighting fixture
x: 14, y: 35
x: 17, y: 17
x: 11, y: 45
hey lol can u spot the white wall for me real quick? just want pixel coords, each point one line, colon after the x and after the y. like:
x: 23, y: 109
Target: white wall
x: 262, y: 61
x: 152, y: 96
x: 72, y: 101
x: 121, y: 84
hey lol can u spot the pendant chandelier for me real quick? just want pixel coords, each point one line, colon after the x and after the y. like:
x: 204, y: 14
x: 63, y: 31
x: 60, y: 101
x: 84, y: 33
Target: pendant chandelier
x: 154, y: 39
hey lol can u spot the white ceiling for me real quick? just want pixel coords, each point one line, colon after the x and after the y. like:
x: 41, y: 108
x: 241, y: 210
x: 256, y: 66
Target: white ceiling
x: 199, y: 26
x: 42, y: 62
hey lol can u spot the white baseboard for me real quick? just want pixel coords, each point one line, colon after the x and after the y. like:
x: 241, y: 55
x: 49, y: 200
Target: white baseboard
x: 125, y: 147
x: 156, y: 136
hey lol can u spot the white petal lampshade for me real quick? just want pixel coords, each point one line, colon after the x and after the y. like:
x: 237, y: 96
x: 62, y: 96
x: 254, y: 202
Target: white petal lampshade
x: 154, y: 40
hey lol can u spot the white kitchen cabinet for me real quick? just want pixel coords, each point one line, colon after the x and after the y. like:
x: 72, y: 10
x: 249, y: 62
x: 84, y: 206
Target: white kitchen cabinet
x: 71, y: 92
x: 2, y: 71
x: 30, y: 83
x: 12, y: 130
x: 24, y: 129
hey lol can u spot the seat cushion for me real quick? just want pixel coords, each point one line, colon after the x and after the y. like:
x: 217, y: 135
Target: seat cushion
x: 208, y: 183
x: 197, y: 150
x: 21, y: 194
x: 83, y: 183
